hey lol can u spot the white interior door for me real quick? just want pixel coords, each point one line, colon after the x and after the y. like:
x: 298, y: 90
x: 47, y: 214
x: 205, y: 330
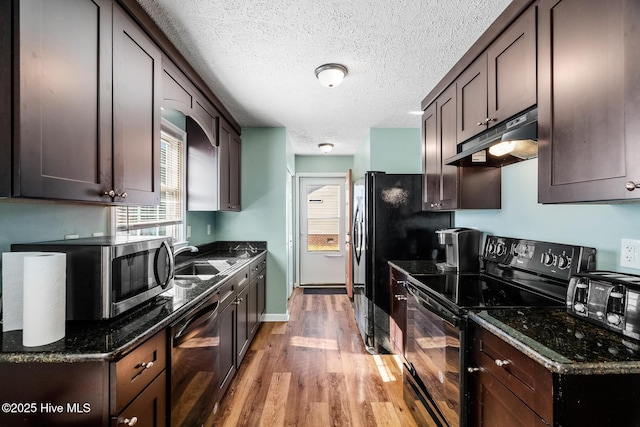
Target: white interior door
x: 322, y: 231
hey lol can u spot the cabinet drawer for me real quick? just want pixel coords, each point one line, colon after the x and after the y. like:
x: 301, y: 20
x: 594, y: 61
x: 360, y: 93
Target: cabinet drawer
x: 257, y: 266
x: 527, y: 379
x: 136, y: 370
x: 149, y: 408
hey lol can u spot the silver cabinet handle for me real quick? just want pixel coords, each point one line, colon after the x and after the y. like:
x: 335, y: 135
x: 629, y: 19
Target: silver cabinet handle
x: 129, y: 421
x: 145, y: 365
x: 261, y: 276
x: 631, y: 185
x: 113, y: 194
x: 401, y: 297
x: 471, y: 370
x: 502, y: 363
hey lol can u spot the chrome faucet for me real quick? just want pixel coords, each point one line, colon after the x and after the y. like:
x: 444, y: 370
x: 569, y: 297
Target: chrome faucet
x: 185, y: 249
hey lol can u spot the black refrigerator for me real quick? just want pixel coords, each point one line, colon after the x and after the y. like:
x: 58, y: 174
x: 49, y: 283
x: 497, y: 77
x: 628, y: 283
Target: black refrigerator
x: 388, y: 224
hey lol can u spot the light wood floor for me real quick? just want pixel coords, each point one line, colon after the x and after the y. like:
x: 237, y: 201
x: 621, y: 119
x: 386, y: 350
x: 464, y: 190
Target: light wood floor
x: 314, y: 371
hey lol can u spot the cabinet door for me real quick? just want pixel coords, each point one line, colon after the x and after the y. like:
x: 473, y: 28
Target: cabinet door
x: 398, y: 322
x: 495, y: 405
x: 149, y: 409
x: 224, y: 139
x: 63, y: 100
x: 252, y: 308
x: 589, y: 114
x: 202, y: 170
x: 471, y: 98
x: 229, y: 169
x: 446, y: 132
x: 511, y: 69
x: 243, y: 323
x: 176, y: 92
x: 137, y: 72
x: 262, y: 294
x: 227, y: 359
x: 234, y: 172
x: 431, y: 159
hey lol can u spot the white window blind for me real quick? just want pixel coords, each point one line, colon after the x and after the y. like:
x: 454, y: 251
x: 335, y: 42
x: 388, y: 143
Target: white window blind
x: 167, y: 218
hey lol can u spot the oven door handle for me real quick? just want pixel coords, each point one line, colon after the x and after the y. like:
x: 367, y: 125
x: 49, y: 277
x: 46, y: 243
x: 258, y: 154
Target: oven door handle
x: 428, y: 303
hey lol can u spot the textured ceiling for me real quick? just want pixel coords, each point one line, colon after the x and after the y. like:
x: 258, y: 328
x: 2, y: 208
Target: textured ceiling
x: 259, y: 58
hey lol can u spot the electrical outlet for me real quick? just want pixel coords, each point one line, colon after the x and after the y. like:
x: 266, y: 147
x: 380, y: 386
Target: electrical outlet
x: 208, y: 229
x: 188, y: 231
x: 630, y: 253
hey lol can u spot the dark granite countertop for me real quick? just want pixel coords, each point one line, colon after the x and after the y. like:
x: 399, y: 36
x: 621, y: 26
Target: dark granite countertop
x: 561, y: 342
x: 104, y: 341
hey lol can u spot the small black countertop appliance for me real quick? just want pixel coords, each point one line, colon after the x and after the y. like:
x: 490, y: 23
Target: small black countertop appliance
x: 462, y: 249
x: 514, y: 273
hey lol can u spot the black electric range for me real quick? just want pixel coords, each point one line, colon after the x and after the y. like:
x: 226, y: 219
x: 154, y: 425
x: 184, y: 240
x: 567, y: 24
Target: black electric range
x: 514, y: 273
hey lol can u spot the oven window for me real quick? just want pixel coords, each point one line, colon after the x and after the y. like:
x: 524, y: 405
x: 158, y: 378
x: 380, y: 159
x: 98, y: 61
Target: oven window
x: 433, y: 347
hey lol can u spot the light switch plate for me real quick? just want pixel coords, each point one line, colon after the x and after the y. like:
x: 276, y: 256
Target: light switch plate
x: 630, y: 253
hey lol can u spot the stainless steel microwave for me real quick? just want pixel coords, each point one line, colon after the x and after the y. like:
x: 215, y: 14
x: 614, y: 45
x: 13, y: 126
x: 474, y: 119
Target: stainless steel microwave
x: 107, y: 276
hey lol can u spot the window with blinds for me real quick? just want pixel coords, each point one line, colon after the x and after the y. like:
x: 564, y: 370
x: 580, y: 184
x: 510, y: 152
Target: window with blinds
x: 166, y: 219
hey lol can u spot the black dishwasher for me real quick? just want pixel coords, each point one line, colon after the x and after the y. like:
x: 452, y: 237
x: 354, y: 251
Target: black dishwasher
x: 195, y: 353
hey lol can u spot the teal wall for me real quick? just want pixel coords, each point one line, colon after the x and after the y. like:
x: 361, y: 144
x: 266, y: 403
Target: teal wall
x: 596, y: 225
x: 263, y: 201
x: 397, y: 150
x: 23, y: 221
x: 323, y: 164
x: 391, y: 150
x: 362, y: 158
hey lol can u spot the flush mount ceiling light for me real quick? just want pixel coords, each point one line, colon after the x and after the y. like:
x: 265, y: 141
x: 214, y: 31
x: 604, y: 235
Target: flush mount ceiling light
x: 331, y: 75
x: 325, y: 147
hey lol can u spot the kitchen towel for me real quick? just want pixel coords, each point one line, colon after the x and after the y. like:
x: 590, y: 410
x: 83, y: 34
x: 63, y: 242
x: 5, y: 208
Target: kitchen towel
x: 34, y: 287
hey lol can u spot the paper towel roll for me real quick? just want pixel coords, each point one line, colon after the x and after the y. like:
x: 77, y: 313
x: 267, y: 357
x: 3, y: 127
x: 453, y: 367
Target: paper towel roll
x: 12, y: 289
x: 44, y: 298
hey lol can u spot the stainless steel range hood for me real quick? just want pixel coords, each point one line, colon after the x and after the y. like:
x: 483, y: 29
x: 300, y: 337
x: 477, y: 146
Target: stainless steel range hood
x: 509, y: 142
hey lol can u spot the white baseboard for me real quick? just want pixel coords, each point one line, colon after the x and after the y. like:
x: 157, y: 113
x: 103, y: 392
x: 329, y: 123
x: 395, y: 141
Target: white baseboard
x: 284, y: 317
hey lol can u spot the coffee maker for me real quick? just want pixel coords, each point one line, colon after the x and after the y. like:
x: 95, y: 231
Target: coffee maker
x: 462, y: 247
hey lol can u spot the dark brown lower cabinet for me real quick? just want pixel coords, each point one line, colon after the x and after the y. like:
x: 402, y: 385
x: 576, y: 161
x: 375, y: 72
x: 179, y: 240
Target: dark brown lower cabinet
x: 398, y: 320
x: 149, y: 408
x: 507, y: 388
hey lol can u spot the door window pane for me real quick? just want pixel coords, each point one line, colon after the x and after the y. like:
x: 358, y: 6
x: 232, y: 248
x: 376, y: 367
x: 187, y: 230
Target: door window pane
x: 323, y: 218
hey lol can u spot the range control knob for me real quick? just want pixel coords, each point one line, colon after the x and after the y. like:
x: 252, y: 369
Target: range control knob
x: 614, y: 319
x: 563, y: 262
x: 491, y: 247
x: 579, y: 307
x: 501, y: 249
x: 547, y: 259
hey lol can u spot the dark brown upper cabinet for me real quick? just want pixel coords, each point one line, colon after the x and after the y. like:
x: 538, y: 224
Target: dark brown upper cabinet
x: 471, y: 94
x: 137, y: 71
x: 448, y: 187
x: 501, y: 82
x: 588, y: 101
x: 62, y: 87
x: 202, y: 169
x: 179, y: 94
x: 439, y: 133
x: 85, y: 110
x: 228, y: 168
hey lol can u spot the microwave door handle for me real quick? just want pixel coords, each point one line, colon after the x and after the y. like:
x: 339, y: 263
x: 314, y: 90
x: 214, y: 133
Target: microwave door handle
x: 164, y: 282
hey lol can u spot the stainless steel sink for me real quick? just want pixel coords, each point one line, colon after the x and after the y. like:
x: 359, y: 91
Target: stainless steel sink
x: 197, y: 268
